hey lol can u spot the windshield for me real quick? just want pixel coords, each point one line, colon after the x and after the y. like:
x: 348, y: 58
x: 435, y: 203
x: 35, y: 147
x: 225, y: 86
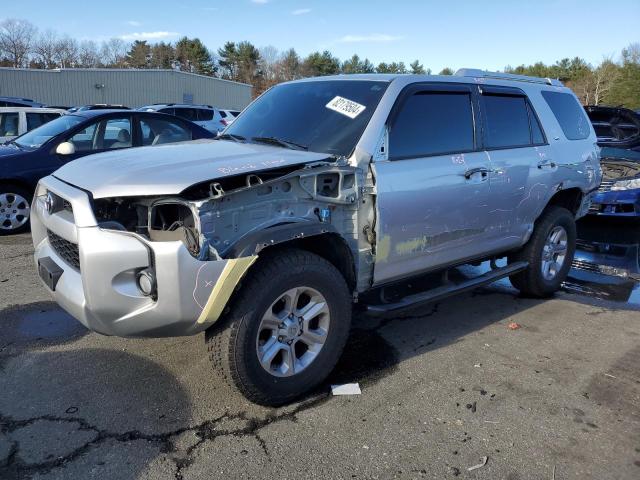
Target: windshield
x: 326, y: 116
x: 38, y: 136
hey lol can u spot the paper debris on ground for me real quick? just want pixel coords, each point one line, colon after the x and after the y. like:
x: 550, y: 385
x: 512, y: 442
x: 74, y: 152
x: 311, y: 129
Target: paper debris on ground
x: 513, y: 326
x: 346, y: 389
x: 483, y: 462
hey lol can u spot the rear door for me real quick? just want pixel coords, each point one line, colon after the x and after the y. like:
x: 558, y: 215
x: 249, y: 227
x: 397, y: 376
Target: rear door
x: 432, y: 192
x: 521, y: 161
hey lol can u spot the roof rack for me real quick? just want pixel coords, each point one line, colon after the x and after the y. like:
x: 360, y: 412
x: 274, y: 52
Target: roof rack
x: 474, y: 72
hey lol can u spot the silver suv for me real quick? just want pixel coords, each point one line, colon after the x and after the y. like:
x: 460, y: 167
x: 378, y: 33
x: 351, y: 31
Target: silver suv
x: 323, y: 193
x: 206, y: 116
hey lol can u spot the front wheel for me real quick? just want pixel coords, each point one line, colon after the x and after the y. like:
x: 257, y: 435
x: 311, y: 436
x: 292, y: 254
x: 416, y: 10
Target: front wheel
x: 285, y: 328
x: 549, y: 253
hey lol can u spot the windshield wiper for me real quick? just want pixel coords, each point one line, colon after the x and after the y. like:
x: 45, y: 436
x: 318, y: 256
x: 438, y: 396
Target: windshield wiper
x: 280, y: 142
x: 231, y: 136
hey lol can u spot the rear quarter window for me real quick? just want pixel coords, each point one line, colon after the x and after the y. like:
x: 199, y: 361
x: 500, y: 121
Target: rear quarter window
x: 570, y: 115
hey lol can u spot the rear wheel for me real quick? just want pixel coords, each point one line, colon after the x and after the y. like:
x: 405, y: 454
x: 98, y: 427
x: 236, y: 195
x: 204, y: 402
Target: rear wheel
x: 549, y: 252
x: 15, y: 208
x: 285, y: 330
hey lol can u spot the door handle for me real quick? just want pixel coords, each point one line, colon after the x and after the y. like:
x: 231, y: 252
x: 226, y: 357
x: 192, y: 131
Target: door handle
x: 546, y: 163
x: 472, y: 171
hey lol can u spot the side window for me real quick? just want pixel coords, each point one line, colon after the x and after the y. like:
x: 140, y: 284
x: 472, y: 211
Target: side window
x: 537, y: 137
x: 205, y: 114
x: 506, y: 120
x: 156, y: 131
x: 432, y: 123
x: 187, y: 114
x: 223, y: 114
x: 34, y: 119
x: 9, y: 124
x: 569, y: 113
x: 83, y: 140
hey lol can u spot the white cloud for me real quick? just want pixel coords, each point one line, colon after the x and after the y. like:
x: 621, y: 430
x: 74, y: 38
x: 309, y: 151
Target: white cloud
x: 301, y: 11
x: 373, y: 38
x: 260, y: 2
x: 211, y: 9
x: 148, y: 35
x: 133, y: 23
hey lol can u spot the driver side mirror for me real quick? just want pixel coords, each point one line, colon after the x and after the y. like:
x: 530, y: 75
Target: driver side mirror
x: 66, y: 148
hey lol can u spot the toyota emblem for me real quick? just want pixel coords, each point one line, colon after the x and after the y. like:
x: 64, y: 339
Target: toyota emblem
x: 49, y: 202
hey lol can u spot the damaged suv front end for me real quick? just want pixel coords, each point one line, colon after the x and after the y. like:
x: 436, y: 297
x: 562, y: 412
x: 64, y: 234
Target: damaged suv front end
x: 153, y: 243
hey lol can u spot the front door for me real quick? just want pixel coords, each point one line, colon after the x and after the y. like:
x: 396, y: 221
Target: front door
x: 432, y: 192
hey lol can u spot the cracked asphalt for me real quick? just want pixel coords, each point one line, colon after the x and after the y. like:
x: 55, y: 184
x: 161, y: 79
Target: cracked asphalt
x: 443, y: 387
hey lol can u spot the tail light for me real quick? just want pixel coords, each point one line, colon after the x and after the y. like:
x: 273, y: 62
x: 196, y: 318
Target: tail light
x: 224, y: 122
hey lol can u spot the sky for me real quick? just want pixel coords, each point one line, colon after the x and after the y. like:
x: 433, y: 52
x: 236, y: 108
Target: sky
x: 461, y: 33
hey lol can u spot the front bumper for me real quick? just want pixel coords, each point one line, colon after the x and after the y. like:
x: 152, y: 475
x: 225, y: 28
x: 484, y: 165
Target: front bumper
x: 620, y: 203
x: 102, y: 292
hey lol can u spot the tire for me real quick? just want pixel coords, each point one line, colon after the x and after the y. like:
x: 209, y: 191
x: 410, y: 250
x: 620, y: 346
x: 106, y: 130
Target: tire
x: 15, y: 209
x: 536, y: 280
x: 245, y: 334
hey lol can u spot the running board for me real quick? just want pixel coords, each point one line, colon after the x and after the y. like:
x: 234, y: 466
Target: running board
x: 444, y: 291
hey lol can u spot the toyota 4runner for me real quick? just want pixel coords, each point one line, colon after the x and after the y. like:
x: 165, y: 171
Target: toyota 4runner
x: 325, y: 192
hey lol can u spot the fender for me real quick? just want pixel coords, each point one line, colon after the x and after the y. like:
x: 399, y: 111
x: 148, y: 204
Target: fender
x: 252, y: 243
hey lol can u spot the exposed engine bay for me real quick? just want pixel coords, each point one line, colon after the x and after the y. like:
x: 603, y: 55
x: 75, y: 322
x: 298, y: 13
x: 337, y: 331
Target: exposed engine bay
x: 244, y: 213
x: 619, y: 169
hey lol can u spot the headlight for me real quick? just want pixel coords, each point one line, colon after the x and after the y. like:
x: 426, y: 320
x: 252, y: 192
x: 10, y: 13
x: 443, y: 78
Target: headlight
x: 626, y: 184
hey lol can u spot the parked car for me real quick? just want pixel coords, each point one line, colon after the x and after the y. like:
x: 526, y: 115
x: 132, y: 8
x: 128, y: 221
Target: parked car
x: 615, y: 127
x: 27, y: 158
x: 98, y: 106
x: 18, y: 102
x: 228, y: 116
x: 15, y: 121
x: 204, y: 115
x: 323, y: 192
x: 619, y: 192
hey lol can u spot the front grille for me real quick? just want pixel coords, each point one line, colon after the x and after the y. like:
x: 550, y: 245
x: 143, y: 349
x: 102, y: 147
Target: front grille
x: 67, y: 250
x: 605, y: 186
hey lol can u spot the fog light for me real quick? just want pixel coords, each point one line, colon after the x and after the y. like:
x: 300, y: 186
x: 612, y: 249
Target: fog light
x: 146, y: 282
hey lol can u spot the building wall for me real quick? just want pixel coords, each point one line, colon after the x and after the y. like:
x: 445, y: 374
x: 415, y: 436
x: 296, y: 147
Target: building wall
x: 129, y: 87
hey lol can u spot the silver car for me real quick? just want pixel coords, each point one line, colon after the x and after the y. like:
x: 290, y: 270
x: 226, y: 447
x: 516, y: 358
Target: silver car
x: 324, y: 192
x: 206, y: 116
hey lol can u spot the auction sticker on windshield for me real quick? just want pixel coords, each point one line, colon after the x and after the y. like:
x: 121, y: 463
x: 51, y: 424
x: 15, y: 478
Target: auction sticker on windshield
x: 346, y: 107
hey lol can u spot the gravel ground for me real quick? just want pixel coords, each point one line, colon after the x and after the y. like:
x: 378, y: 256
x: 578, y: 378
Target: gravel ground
x: 442, y: 388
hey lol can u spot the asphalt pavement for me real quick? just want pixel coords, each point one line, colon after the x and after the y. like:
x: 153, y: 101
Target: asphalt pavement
x: 443, y: 388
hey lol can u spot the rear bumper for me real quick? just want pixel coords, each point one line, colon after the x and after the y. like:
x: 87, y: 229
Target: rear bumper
x: 102, y: 293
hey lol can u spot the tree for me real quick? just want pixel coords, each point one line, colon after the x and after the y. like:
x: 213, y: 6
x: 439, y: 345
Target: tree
x: 417, y: 68
x: 44, y: 50
x: 289, y: 66
x: 393, y: 67
x: 318, y: 64
x: 248, y: 58
x: 66, y: 52
x: 446, y: 71
x: 355, y: 65
x: 113, y: 52
x: 16, y: 40
x: 194, y: 56
x: 162, y: 54
x: 88, y: 56
x: 626, y: 90
x: 228, y: 60
x: 139, y: 55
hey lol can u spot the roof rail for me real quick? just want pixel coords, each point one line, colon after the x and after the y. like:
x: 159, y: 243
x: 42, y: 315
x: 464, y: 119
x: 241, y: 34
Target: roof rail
x: 474, y: 72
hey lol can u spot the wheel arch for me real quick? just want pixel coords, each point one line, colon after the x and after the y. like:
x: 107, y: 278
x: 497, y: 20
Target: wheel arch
x: 569, y: 198
x: 321, y: 239
x: 18, y: 182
